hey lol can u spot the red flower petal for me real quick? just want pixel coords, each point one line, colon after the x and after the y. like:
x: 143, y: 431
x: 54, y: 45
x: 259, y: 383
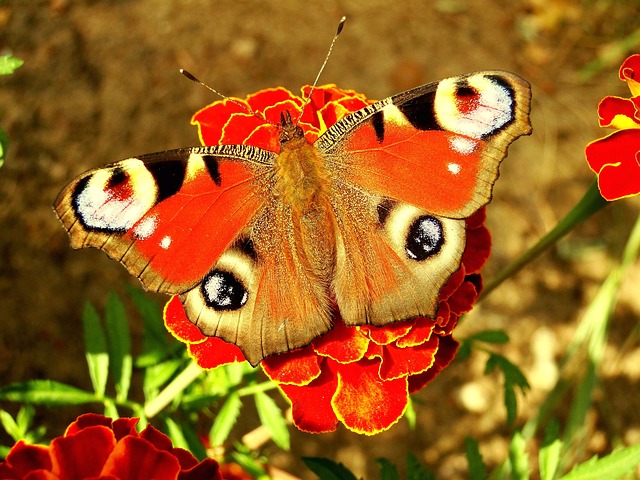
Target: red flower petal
x: 207, y: 469
x: 420, y: 333
x: 630, y: 72
x: 365, y: 403
x: 311, y: 404
x: 176, y: 321
x: 618, y: 113
x: 214, y: 352
x: 24, y: 458
x: 343, y: 344
x: 298, y: 367
x: 401, y: 361
x: 446, y: 353
x: 477, y: 250
x: 135, y: 459
x: 615, y: 159
x: 83, y: 454
x: 212, y: 119
x: 389, y: 333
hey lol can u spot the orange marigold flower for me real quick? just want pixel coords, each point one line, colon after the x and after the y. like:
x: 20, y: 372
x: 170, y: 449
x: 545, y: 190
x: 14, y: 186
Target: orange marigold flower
x: 95, y: 446
x: 616, y: 157
x: 358, y: 376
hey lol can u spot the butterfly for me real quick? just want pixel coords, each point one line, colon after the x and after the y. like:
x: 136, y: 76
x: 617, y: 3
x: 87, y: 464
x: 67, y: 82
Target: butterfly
x: 265, y: 248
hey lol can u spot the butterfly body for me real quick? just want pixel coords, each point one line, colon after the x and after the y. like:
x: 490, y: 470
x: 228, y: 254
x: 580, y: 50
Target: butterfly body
x: 266, y: 248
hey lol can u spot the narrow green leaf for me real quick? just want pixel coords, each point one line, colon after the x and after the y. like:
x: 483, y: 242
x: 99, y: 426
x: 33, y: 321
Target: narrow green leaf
x: 272, y: 418
x: 246, y: 460
x: 175, y: 433
x: 4, y: 144
x: 613, y: 466
x: 225, y: 420
x: 155, y: 376
x: 513, y: 377
x: 4, y: 451
x: 46, y: 392
x: 519, y: 458
x: 477, y: 467
x: 194, y: 443
x: 490, y: 336
x: 410, y: 414
x: 155, y: 346
x: 111, y: 409
x: 549, y: 456
x: 327, y: 469
x: 415, y: 471
x: 95, y: 344
x: 119, y: 346
x: 10, y: 425
x: 388, y: 471
x: 9, y: 64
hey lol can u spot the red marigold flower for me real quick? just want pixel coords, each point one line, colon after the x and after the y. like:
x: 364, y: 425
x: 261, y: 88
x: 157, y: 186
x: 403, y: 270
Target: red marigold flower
x: 358, y: 376
x: 97, y: 447
x: 616, y: 157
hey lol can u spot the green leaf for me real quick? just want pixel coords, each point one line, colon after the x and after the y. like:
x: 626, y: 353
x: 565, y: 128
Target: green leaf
x: 519, y: 458
x: 327, y: 469
x: 613, y: 466
x: 111, y: 409
x: 410, y: 414
x: 513, y: 377
x: 155, y: 376
x: 155, y: 347
x: 194, y: 443
x: 388, y: 471
x: 415, y: 471
x: 10, y: 425
x: 9, y: 64
x: 46, y: 392
x: 174, y: 431
x: 549, y: 456
x: 225, y: 420
x: 490, y: 336
x: 477, y: 467
x: 95, y: 342
x: 271, y: 417
x: 4, y: 144
x: 119, y: 346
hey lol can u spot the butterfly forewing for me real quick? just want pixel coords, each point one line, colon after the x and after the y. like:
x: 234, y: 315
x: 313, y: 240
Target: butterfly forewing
x: 168, y: 216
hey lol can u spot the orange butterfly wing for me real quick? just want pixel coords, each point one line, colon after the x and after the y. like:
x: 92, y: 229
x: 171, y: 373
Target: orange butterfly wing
x: 167, y: 217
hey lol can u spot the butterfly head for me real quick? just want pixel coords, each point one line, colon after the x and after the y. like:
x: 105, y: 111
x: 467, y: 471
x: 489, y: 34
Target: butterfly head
x: 289, y: 130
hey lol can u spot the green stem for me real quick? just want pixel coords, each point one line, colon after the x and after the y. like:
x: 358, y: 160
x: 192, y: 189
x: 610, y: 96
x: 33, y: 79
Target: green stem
x: 590, y: 204
x: 171, y: 391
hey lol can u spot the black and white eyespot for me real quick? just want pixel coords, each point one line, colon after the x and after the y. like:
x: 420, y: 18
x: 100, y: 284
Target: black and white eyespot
x: 222, y: 291
x: 425, y: 238
x: 113, y: 199
x: 474, y: 106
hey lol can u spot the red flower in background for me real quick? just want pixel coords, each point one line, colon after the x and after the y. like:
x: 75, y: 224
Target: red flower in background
x: 616, y: 157
x: 97, y: 447
x: 360, y: 376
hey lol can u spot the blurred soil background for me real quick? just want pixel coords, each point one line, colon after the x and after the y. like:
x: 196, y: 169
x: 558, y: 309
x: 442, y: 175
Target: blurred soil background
x: 100, y: 83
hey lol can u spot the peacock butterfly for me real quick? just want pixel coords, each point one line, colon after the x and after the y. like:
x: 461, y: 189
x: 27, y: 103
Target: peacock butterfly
x: 263, y: 246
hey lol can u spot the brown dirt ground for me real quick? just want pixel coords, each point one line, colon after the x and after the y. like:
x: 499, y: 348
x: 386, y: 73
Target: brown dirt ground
x: 100, y: 83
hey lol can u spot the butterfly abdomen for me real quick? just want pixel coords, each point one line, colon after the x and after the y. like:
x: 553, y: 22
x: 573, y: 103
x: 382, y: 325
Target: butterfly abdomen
x: 302, y: 184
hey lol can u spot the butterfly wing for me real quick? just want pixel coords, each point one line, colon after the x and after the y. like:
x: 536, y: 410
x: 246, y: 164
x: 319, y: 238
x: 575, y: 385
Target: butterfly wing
x: 204, y: 223
x: 417, y: 164
x: 167, y: 217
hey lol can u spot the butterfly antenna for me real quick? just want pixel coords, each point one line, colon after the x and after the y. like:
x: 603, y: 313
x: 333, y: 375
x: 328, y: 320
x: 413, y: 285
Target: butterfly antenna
x: 192, y: 77
x: 324, y: 64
